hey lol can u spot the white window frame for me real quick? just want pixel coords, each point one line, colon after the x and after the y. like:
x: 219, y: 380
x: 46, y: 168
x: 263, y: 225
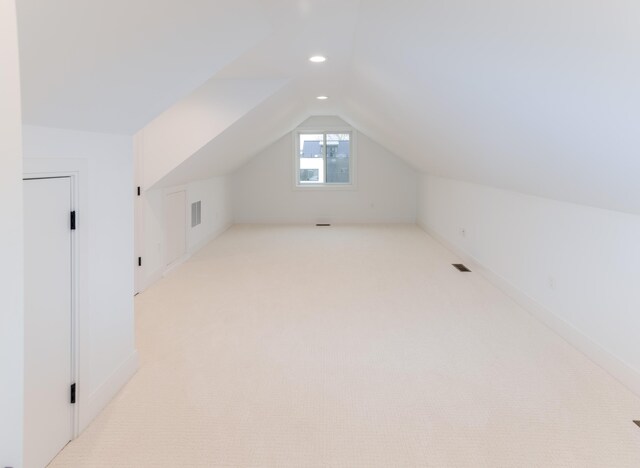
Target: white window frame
x: 324, y: 186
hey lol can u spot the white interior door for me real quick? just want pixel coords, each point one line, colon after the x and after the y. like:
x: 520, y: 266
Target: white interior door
x: 48, y: 411
x: 176, y: 226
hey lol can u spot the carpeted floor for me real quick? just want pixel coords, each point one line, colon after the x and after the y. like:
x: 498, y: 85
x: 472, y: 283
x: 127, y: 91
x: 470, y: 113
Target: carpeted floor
x: 351, y: 346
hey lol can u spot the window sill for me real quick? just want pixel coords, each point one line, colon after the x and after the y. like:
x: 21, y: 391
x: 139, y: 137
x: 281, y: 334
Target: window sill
x: 324, y: 187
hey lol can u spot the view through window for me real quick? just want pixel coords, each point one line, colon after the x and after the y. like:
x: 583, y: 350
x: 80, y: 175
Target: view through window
x: 324, y: 158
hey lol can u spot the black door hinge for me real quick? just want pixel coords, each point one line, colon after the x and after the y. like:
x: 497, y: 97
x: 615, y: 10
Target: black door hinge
x: 139, y: 261
x: 73, y: 393
x: 138, y: 190
x: 73, y: 221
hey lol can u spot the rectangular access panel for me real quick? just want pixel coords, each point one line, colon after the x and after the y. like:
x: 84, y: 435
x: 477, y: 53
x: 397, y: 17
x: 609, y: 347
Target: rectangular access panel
x: 47, y: 319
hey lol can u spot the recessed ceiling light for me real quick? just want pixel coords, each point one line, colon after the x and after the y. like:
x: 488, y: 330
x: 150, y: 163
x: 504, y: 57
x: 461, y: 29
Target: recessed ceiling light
x: 317, y: 59
x: 322, y: 98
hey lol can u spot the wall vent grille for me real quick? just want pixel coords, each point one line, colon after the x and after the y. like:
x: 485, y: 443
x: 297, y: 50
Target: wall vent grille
x: 461, y: 267
x: 196, y: 213
x: 323, y: 224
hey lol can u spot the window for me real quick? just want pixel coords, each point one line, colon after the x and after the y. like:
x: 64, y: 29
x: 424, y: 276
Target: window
x: 324, y: 158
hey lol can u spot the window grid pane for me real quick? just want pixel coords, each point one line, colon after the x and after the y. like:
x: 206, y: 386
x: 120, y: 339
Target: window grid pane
x: 337, y: 150
x: 311, y: 159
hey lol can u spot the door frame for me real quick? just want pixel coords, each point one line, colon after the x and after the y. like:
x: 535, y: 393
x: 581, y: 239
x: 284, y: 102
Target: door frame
x: 139, y: 207
x: 179, y: 261
x: 75, y: 286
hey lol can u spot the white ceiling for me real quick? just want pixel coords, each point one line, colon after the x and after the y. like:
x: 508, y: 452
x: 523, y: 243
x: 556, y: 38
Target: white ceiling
x: 113, y: 65
x: 538, y: 96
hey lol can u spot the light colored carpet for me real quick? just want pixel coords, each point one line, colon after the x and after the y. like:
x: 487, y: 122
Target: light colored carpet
x: 352, y: 346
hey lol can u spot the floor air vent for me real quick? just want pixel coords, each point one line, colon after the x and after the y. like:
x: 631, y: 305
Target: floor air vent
x: 323, y: 224
x: 461, y: 267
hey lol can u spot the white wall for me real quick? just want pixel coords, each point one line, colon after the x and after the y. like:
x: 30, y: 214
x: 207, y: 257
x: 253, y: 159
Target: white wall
x: 216, y: 210
x: 216, y: 218
x: 150, y: 239
x: 574, y: 266
x: 263, y: 189
x: 105, y: 234
x: 11, y: 290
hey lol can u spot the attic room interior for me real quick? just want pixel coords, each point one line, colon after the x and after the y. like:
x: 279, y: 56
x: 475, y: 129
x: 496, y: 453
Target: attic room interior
x: 305, y: 233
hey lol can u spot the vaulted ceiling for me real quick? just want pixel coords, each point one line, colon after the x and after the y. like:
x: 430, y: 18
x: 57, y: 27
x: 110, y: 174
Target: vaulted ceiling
x: 537, y: 96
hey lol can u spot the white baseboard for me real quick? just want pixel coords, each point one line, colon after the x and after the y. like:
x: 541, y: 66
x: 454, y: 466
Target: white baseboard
x: 153, y: 277
x: 196, y: 248
x: 620, y: 370
x: 209, y: 238
x: 100, y: 398
x: 162, y: 272
x: 169, y: 268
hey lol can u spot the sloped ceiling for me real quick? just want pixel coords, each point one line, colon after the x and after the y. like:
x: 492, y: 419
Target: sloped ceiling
x: 113, y: 65
x: 192, y: 123
x: 241, y: 140
x: 538, y: 96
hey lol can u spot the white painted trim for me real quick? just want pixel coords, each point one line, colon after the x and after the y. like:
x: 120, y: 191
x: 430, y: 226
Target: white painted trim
x: 627, y: 375
x: 176, y: 189
x: 162, y: 272
x: 139, y: 211
x: 152, y: 279
x: 166, y: 192
x: 195, y: 248
x: 324, y: 128
x: 108, y: 389
x: 176, y: 263
x: 76, y: 171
